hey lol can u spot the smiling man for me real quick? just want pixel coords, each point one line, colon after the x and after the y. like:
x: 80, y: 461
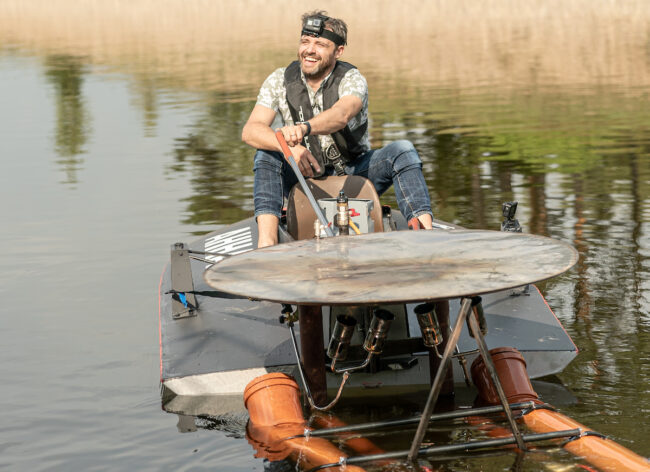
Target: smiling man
x: 321, y: 106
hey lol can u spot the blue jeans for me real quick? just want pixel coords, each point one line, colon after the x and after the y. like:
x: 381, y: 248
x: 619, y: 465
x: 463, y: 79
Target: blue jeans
x: 396, y: 164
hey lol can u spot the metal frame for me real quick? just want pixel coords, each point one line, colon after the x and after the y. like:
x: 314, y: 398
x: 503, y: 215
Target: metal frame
x: 449, y: 415
x: 465, y: 309
x: 460, y: 447
x: 182, y: 283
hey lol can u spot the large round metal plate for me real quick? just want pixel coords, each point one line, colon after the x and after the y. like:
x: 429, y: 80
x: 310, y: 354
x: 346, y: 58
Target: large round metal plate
x: 400, y: 266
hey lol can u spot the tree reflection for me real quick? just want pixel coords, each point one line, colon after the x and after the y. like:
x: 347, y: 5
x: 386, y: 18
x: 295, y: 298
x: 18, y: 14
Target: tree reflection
x: 145, y: 97
x: 65, y: 74
x: 221, y: 166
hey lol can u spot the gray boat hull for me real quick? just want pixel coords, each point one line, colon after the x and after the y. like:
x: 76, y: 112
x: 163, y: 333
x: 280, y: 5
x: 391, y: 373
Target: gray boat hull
x: 206, y: 360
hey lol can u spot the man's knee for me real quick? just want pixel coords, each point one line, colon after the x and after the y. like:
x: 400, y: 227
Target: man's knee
x: 268, y: 186
x: 404, y: 155
x: 268, y: 160
x: 401, y: 146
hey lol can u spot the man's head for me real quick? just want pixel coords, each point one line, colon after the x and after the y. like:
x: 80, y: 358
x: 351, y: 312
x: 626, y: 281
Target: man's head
x: 322, y: 42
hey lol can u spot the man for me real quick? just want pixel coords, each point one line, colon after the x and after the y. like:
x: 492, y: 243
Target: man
x: 321, y: 106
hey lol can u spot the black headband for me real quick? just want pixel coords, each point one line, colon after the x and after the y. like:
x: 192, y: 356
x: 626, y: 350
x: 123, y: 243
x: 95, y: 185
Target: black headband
x: 315, y: 26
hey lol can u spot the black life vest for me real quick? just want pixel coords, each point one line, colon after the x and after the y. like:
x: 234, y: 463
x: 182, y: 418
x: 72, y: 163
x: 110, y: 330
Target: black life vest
x: 347, y: 143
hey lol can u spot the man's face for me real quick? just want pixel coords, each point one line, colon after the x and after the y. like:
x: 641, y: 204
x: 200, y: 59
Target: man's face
x: 317, y: 56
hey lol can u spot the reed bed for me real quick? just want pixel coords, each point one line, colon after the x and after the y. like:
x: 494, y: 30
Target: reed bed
x: 223, y: 45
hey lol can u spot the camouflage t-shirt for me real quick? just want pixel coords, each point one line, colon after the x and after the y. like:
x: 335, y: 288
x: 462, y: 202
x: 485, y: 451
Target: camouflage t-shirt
x: 273, y: 95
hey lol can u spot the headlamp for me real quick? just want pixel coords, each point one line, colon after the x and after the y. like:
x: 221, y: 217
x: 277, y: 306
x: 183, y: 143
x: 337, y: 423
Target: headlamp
x: 315, y: 26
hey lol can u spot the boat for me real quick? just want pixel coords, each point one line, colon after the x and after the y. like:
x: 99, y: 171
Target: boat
x: 213, y: 346
x: 383, y: 302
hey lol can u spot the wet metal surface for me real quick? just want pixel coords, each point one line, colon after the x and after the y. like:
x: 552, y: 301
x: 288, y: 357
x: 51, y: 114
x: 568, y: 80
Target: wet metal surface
x: 392, y: 267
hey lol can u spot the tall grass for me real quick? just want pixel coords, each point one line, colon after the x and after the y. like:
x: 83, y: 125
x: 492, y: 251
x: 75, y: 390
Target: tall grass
x: 219, y: 44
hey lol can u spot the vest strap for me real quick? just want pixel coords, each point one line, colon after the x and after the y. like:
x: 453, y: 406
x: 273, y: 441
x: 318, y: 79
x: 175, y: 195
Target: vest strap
x: 346, y: 146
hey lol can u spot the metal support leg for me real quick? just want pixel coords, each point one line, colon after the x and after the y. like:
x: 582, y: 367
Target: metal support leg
x: 485, y: 354
x: 184, y: 302
x: 465, y: 308
x: 312, y: 347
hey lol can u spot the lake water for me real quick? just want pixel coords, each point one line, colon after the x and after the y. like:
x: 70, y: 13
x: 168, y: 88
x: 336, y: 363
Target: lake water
x: 109, y: 158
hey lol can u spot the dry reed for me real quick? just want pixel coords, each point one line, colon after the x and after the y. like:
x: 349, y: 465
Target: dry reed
x: 214, y: 44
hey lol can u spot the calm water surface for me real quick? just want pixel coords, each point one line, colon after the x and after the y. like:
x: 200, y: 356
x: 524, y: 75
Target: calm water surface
x: 102, y: 170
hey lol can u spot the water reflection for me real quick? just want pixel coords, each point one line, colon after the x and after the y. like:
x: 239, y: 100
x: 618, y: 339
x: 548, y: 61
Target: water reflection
x: 66, y: 74
x: 145, y: 97
x: 219, y: 165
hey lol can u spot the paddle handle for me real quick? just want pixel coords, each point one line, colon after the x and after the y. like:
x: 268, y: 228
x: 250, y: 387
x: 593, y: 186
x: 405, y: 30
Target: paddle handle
x: 283, y: 144
x: 303, y: 183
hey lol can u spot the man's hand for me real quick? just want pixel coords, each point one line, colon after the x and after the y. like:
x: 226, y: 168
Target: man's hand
x: 293, y: 134
x: 307, y: 163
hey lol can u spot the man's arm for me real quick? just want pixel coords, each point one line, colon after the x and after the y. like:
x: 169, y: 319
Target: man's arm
x: 257, y: 133
x: 329, y: 121
x: 336, y: 118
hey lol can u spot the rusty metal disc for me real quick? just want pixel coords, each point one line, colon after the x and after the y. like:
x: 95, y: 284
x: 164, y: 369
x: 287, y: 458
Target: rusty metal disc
x: 392, y: 267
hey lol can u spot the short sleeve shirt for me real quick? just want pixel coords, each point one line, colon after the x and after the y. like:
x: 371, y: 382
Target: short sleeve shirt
x: 273, y: 95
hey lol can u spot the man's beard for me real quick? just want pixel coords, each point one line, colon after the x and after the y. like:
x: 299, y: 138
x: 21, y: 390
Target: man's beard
x: 320, y: 71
